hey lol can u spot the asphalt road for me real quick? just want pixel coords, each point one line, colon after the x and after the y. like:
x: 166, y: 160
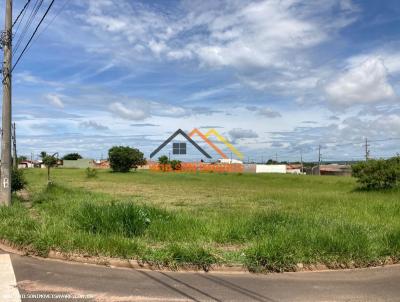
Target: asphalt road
x: 86, y: 282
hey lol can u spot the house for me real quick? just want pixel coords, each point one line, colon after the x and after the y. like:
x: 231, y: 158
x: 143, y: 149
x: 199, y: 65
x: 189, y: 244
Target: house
x: 332, y: 169
x: 180, y: 146
x: 26, y: 164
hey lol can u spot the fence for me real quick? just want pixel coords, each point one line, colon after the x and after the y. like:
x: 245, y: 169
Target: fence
x: 199, y: 167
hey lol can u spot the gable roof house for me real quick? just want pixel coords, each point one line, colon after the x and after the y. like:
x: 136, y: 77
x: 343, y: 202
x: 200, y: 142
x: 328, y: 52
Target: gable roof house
x: 175, y: 147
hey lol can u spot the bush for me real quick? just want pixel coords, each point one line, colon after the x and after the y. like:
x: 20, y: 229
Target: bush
x: 378, y: 174
x: 163, y: 161
x: 18, y: 181
x: 176, y: 164
x: 122, y: 159
x: 91, y: 172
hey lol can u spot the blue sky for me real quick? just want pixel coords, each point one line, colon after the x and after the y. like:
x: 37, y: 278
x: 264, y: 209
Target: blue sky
x: 275, y: 76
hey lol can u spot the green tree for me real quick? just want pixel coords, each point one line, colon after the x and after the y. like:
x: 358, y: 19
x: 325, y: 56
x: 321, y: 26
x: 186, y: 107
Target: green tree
x: 50, y: 162
x: 43, y: 154
x: 163, y: 161
x: 122, y: 158
x: 176, y: 164
x: 72, y: 156
x: 378, y: 173
x: 21, y: 158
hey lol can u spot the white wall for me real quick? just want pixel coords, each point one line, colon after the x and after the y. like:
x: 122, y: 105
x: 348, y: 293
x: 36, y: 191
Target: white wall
x: 270, y: 168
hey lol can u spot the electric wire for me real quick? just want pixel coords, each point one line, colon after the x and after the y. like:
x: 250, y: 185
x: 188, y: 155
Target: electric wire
x: 22, y: 15
x: 33, y: 34
x: 28, y: 23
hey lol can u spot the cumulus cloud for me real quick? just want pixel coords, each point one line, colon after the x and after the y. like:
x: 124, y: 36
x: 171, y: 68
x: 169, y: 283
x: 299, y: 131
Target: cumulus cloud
x: 239, y: 133
x: 55, y: 100
x: 92, y: 125
x: 365, y: 83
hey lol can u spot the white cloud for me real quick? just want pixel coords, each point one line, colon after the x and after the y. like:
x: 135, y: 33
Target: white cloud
x: 137, y: 112
x: 92, y: 125
x: 361, y: 84
x: 264, y: 111
x: 240, y: 34
x: 55, y: 100
x: 239, y: 133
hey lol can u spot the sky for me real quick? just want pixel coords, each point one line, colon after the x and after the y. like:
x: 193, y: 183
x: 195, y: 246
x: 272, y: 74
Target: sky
x: 273, y: 76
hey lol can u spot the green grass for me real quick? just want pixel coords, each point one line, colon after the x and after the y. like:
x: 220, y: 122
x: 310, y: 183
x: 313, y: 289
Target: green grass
x: 265, y: 222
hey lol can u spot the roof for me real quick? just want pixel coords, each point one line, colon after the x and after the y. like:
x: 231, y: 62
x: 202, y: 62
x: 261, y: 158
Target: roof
x: 169, y: 139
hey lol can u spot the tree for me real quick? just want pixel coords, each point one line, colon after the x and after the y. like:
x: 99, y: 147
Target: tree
x: 122, y: 158
x: 378, y: 173
x: 50, y: 162
x: 43, y: 154
x: 163, y: 161
x: 72, y: 156
x: 176, y: 164
x: 21, y: 158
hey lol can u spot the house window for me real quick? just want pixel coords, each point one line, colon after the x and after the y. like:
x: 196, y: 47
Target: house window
x: 179, y: 148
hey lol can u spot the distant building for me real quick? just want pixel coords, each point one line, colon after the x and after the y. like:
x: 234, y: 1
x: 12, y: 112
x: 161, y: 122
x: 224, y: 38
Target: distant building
x: 333, y: 169
x: 180, y: 146
x: 81, y: 163
x: 26, y: 164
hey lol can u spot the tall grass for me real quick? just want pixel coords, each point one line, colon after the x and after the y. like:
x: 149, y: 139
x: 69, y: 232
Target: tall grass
x: 267, y: 223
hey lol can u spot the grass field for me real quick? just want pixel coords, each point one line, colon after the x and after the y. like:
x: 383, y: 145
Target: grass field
x: 264, y: 222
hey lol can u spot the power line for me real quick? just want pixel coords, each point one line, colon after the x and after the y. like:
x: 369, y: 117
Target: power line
x: 28, y: 23
x: 33, y: 34
x: 48, y: 24
x: 20, y: 13
x: 22, y: 18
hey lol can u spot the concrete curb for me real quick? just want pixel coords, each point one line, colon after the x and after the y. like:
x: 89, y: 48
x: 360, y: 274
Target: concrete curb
x: 115, y: 262
x: 137, y: 265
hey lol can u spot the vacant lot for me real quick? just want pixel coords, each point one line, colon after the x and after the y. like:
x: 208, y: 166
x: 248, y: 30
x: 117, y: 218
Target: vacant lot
x: 265, y: 222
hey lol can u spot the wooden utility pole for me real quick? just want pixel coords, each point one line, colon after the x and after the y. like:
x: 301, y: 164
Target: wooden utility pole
x: 14, y: 143
x: 366, y: 149
x: 301, y: 161
x: 5, y: 178
x: 319, y: 159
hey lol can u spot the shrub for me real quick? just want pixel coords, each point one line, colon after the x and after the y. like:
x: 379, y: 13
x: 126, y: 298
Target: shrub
x: 72, y: 156
x: 91, y: 172
x: 122, y: 159
x: 176, y: 164
x: 378, y: 174
x: 18, y: 181
x: 163, y: 161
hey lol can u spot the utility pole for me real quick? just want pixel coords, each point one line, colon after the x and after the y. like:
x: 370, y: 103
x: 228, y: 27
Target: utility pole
x: 301, y: 161
x: 5, y: 177
x: 276, y: 157
x: 14, y: 142
x: 319, y: 159
x: 366, y: 149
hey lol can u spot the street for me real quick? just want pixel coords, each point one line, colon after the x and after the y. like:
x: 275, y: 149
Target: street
x: 51, y: 280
